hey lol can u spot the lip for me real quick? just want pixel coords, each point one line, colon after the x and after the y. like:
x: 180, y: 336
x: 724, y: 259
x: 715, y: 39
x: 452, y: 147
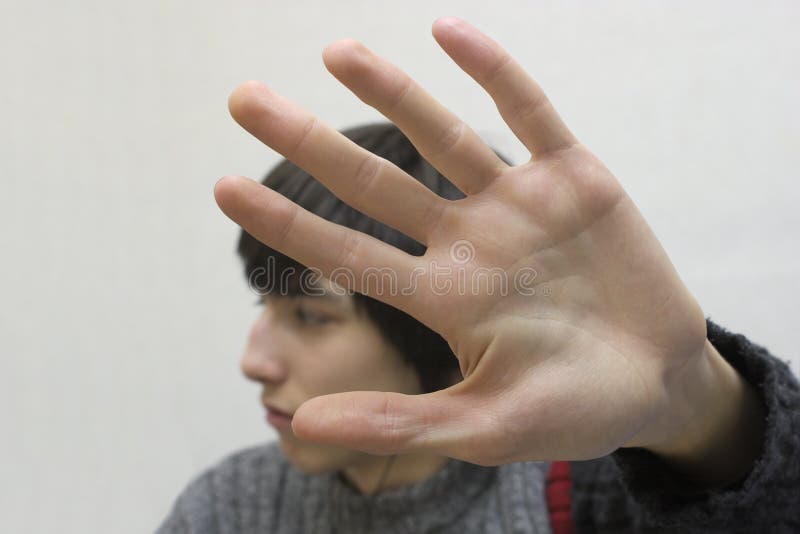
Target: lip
x: 277, y: 409
x: 278, y: 418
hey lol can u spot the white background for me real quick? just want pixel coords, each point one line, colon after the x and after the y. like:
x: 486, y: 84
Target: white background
x: 124, y: 309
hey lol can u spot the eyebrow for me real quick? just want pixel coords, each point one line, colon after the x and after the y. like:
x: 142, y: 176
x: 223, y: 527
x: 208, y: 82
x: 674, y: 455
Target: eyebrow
x: 325, y: 294
x: 310, y: 288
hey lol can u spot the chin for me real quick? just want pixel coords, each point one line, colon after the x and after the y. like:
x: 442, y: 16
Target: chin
x: 312, y: 459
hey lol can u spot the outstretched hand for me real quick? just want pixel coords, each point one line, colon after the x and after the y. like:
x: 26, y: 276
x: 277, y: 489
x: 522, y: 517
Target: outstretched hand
x: 574, y: 333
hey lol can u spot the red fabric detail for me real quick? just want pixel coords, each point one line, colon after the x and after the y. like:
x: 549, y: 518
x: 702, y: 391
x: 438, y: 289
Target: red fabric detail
x: 559, y: 500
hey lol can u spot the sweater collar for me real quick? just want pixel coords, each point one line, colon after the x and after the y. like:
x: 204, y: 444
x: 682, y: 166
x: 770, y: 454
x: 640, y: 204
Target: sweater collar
x: 435, y: 501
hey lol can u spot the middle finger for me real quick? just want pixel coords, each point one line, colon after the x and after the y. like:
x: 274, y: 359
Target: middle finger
x: 440, y: 136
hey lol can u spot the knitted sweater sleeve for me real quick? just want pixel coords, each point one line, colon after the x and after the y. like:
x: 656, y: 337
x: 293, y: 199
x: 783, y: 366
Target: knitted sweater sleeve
x: 632, y: 490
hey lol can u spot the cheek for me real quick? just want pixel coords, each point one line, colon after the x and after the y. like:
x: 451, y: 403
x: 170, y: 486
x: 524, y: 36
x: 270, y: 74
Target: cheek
x: 341, y: 367
x: 362, y: 361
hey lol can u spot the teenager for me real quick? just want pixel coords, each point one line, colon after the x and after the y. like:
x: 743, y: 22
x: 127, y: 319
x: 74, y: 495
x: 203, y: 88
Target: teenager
x: 595, y: 354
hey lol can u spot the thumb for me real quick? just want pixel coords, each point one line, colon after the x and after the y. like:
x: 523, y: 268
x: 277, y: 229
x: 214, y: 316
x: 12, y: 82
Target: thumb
x: 382, y: 423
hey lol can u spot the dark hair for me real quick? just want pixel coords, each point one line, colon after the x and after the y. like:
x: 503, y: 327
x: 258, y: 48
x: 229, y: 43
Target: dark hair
x: 422, y: 348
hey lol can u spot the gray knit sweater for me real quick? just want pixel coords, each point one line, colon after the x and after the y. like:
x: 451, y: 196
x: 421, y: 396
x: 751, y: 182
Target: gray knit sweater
x: 256, y: 490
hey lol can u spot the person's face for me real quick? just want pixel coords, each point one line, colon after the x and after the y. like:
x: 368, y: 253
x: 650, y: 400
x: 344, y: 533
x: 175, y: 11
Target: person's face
x: 302, y: 347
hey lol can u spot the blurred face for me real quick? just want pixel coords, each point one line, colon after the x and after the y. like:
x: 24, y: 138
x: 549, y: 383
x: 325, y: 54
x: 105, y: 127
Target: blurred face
x: 302, y: 347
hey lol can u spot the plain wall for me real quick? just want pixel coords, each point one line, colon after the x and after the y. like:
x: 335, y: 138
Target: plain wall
x: 124, y: 309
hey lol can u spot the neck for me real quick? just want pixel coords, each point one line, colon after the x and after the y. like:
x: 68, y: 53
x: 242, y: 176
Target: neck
x: 395, y: 471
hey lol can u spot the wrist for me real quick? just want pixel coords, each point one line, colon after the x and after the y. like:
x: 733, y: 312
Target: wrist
x: 715, y: 425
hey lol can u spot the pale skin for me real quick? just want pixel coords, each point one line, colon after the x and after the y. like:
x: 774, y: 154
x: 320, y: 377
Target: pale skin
x: 301, y: 347
x: 611, y: 352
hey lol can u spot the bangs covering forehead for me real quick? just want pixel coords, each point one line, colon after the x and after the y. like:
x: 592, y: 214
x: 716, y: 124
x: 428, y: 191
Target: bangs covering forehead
x: 274, y: 274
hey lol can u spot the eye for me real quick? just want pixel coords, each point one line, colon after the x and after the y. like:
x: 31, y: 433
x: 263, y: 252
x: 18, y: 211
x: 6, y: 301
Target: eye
x: 311, y: 318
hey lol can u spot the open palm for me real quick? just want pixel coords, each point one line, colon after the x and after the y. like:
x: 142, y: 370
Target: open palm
x: 570, y: 324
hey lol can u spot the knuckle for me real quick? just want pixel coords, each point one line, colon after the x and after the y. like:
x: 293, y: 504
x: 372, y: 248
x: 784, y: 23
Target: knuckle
x: 365, y: 177
x: 448, y: 138
x: 529, y: 106
x: 496, y: 71
x: 348, y: 253
x: 288, y: 222
x: 390, y: 427
x: 302, y: 137
x: 433, y: 213
x: 404, y: 88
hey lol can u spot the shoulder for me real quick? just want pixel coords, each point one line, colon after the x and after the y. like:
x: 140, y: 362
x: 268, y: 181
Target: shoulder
x: 230, y: 491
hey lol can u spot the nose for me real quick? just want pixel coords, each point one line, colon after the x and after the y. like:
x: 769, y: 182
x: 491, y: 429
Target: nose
x: 262, y: 361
